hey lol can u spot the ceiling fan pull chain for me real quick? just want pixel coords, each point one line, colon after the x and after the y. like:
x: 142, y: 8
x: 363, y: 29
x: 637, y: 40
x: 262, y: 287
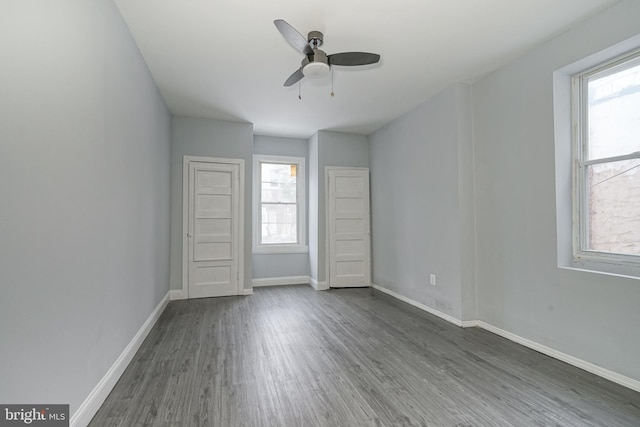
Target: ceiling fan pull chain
x: 299, y: 96
x: 332, y: 94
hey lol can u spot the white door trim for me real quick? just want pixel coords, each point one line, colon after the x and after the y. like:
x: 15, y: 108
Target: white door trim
x: 326, y: 218
x: 185, y: 218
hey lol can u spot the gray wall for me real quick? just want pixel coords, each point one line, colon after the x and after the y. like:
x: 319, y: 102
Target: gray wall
x: 466, y: 201
x: 84, y: 179
x: 312, y: 225
x: 331, y: 149
x: 421, y: 200
x: 283, y: 265
x: 481, y: 163
x: 521, y: 289
x: 210, y: 138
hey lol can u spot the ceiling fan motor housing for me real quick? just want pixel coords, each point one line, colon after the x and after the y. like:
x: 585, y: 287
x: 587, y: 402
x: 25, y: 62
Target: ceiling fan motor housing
x: 315, y: 65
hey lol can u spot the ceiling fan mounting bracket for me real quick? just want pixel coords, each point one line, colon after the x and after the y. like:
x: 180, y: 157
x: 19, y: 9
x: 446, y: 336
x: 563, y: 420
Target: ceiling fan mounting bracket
x: 315, y: 39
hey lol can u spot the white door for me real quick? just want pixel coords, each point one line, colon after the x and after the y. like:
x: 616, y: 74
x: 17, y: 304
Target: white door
x: 213, y: 229
x: 349, y: 227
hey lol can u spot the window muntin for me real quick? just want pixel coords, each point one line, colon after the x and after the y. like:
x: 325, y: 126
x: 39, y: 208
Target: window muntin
x: 279, y: 204
x: 608, y: 181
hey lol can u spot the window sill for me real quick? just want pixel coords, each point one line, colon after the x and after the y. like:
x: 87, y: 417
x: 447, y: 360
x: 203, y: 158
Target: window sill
x: 596, y: 271
x: 280, y: 249
x: 605, y: 266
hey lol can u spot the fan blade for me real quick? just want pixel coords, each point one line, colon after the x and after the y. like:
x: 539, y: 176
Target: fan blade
x: 295, y: 77
x: 291, y: 35
x: 353, y: 58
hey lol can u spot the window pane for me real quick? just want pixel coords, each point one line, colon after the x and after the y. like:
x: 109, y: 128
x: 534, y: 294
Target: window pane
x: 613, y: 202
x: 279, y: 173
x: 278, y: 183
x: 614, y: 114
x: 279, y: 224
x: 273, y: 192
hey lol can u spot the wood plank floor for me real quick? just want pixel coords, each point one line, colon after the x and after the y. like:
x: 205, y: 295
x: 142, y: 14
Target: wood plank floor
x: 292, y: 356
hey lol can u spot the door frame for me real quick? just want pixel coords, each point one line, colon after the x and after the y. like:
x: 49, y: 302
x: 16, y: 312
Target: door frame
x: 327, y: 215
x: 185, y: 218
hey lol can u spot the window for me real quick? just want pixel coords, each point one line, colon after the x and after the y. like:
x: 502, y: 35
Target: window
x: 607, y: 162
x: 279, y: 204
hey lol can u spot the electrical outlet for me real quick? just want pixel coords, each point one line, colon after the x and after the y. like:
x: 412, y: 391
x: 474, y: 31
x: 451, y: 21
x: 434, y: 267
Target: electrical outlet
x: 432, y: 279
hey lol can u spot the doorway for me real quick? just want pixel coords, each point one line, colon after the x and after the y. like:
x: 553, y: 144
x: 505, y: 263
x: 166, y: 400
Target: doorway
x: 348, y: 227
x: 213, y: 206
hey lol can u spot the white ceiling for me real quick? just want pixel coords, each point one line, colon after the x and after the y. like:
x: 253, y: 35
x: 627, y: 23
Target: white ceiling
x: 224, y: 59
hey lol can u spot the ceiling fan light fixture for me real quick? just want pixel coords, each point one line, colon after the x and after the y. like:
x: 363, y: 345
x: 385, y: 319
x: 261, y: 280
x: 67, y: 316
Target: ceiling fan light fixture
x: 316, y: 70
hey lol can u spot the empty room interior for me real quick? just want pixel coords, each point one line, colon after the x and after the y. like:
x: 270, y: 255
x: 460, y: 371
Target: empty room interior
x: 332, y: 213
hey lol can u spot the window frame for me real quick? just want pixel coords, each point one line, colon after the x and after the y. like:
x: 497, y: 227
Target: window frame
x: 279, y: 248
x: 579, y: 117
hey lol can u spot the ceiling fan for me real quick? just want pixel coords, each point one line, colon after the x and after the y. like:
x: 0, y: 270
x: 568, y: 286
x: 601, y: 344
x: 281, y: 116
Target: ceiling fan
x: 316, y: 63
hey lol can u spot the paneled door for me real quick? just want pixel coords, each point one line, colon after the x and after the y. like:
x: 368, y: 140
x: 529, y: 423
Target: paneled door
x: 214, y: 229
x: 349, y: 236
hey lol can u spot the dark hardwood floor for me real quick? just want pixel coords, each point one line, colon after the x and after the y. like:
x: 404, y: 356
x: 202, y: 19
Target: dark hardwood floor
x: 292, y: 356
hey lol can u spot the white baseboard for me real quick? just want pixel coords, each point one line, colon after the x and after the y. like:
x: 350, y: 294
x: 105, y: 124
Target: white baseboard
x: 280, y: 281
x: 571, y: 360
x: 421, y: 306
x: 318, y: 286
x: 247, y: 292
x: 177, y: 294
x: 469, y: 324
x: 96, y: 398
